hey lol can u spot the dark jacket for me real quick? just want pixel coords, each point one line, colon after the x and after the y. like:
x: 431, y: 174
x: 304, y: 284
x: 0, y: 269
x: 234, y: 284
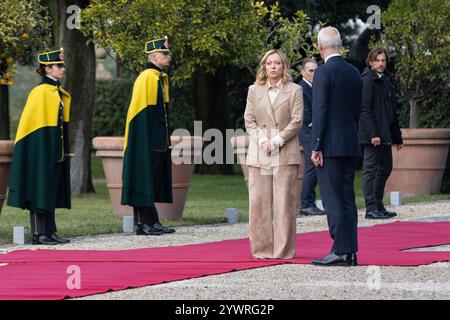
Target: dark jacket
x: 305, y: 133
x: 336, y: 109
x: 379, y: 112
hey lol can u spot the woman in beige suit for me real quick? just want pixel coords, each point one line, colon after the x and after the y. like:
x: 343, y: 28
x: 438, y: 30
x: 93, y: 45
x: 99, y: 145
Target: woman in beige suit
x: 273, y: 117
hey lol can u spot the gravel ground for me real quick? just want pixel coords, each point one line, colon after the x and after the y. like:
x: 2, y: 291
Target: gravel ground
x: 287, y: 281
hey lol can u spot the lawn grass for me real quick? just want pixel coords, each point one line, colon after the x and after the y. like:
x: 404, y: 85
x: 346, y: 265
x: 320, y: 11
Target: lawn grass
x: 208, y: 197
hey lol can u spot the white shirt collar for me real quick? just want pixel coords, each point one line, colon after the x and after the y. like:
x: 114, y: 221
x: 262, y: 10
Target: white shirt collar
x: 51, y: 78
x: 331, y: 56
x: 309, y: 83
x: 277, y: 86
x: 379, y: 75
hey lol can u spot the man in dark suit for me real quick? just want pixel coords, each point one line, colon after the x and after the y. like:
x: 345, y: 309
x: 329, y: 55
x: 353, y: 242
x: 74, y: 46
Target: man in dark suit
x: 336, y: 109
x: 308, y: 195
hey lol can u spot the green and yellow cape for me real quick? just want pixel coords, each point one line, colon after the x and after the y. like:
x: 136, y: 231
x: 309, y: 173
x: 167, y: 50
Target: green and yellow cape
x: 41, y: 141
x: 146, y: 131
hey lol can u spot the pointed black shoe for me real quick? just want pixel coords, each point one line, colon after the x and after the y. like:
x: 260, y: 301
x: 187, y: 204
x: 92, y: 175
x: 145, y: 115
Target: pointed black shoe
x: 376, y: 214
x: 163, y: 229
x: 390, y: 214
x: 43, y: 239
x: 58, y: 239
x: 336, y: 260
x: 146, y: 230
x: 312, y: 211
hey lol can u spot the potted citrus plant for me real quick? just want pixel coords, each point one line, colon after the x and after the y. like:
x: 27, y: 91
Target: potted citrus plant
x: 420, y: 45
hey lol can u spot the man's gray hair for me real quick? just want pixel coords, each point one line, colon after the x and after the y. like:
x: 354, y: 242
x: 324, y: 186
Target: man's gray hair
x: 330, y: 39
x: 306, y: 61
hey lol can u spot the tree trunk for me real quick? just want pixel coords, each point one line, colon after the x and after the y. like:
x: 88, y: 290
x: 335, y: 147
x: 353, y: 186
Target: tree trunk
x: 414, y: 111
x: 57, y: 12
x: 4, y: 112
x: 80, y: 83
x: 211, y: 107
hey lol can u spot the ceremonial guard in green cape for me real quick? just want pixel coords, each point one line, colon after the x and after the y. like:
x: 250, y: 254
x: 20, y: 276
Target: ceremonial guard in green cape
x: 147, y: 165
x: 40, y: 174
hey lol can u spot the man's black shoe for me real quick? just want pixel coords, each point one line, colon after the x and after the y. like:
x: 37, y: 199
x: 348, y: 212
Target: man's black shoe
x: 390, y: 214
x: 312, y: 211
x: 43, y: 239
x: 375, y: 214
x: 58, y: 239
x: 333, y: 260
x: 163, y: 229
x: 146, y: 230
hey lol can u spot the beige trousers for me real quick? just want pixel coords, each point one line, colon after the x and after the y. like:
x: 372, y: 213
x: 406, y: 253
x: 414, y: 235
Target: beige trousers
x: 272, y: 212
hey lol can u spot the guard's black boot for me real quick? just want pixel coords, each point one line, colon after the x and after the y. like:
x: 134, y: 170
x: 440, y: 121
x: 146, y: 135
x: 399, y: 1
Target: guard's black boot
x: 58, y: 239
x: 146, y: 230
x: 43, y: 239
x: 163, y: 229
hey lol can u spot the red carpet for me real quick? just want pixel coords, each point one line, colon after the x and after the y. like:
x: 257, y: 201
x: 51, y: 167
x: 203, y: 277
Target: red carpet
x: 42, y: 274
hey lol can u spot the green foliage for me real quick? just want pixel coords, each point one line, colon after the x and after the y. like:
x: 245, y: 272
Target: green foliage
x: 112, y: 98
x: 420, y: 32
x: 24, y: 29
x: 204, y: 34
x: 238, y: 82
x: 436, y: 108
x: 332, y: 12
x: 181, y: 108
x: 291, y: 35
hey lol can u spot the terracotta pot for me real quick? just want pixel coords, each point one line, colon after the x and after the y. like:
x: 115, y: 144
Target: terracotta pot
x: 110, y: 150
x: 240, y: 148
x: 6, y: 151
x: 419, y: 166
x: 184, y: 150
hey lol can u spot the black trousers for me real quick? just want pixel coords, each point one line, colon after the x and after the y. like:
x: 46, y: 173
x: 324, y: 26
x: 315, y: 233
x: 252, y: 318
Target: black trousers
x: 308, y: 194
x: 336, y: 179
x: 44, y: 222
x: 145, y: 215
x: 377, y: 167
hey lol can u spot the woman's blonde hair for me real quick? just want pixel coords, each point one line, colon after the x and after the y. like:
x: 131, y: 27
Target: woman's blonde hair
x: 261, y: 75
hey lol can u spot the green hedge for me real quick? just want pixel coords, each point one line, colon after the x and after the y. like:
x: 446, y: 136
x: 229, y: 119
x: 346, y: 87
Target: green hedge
x: 181, y: 108
x: 112, y: 99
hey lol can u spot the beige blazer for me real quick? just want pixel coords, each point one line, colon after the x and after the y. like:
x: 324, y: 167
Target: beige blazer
x: 263, y: 120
